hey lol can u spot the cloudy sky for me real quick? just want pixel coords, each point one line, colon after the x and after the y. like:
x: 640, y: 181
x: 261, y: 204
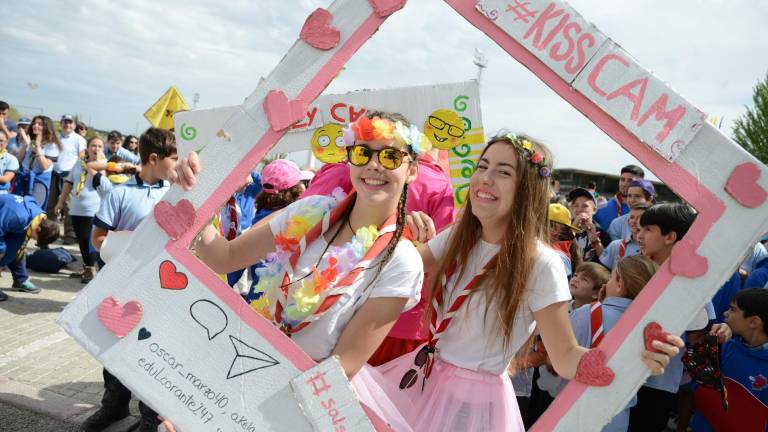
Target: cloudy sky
x: 108, y: 61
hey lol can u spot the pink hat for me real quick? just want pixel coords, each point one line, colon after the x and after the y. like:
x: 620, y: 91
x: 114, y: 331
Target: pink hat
x: 280, y: 175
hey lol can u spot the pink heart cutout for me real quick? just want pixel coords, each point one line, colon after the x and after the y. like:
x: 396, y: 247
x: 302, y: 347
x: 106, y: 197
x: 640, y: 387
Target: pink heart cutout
x: 685, y: 262
x: 743, y: 187
x: 175, y: 220
x: 653, y: 332
x: 593, y: 371
x: 318, y: 32
x: 281, y: 112
x: 385, y: 8
x: 119, y: 320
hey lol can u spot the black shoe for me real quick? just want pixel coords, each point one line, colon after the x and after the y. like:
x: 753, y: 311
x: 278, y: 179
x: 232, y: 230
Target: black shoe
x: 3, y: 296
x: 102, y: 418
x: 148, y: 425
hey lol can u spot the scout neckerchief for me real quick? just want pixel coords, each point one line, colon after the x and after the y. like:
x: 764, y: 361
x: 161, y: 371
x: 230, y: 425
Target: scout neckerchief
x: 596, y: 323
x: 32, y: 225
x: 619, y: 202
x: 623, y: 248
x: 438, y: 325
x: 231, y: 207
x: 335, y: 290
x: 83, y: 176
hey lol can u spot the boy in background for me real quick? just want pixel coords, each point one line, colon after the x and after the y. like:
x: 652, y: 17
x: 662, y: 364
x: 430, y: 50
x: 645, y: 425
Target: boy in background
x: 123, y: 209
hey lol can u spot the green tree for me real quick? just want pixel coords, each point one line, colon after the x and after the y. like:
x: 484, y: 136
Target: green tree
x: 751, y: 129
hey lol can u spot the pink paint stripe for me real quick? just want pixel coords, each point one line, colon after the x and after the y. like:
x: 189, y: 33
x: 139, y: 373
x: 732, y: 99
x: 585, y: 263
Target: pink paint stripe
x: 685, y: 184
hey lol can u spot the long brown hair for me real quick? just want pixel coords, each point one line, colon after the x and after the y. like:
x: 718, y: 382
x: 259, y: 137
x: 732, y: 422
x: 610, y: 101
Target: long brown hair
x: 526, y: 226
x: 49, y: 131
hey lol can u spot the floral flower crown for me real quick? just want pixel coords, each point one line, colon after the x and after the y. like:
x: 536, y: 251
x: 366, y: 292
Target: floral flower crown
x: 371, y: 129
x: 534, y: 156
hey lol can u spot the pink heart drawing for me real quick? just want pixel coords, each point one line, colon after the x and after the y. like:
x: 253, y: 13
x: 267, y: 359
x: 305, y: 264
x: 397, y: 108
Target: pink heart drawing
x: 654, y: 332
x: 685, y: 262
x: 593, y: 371
x: 743, y: 187
x: 281, y: 112
x: 385, y: 8
x: 175, y: 220
x: 318, y: 32
x: 119, y: 320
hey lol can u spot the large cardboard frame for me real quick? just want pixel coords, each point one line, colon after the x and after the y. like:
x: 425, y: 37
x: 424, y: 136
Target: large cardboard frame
x: 598, y: 78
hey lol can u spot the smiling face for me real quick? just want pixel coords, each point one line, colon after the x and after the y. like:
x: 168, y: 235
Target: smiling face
x: 376, y: 185
x: 583, y: 207
x: 328, y: 143
x: 634, y: 221
x: 444, y: 128
x: 493, y: 185
x: 635, y: 195
x: 37, y: 126
x: 67, y: 127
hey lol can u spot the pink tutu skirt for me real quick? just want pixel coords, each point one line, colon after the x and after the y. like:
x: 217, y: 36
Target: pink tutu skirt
x: 453, y: 399
x: 368, y: 385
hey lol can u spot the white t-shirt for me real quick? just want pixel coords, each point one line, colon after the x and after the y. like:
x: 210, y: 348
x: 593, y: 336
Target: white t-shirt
x: 402, y: 276
x: 71, y: 146
x: 471, y: 342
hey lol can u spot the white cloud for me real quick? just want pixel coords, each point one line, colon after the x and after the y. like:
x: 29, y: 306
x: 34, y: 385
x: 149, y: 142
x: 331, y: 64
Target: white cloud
x: 110, y: 60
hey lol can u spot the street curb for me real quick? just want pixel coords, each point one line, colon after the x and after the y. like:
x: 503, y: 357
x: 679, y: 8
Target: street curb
x: 54, y: 405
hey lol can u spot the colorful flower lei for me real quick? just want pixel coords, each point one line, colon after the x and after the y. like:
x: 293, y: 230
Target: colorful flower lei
x: 306, y: 295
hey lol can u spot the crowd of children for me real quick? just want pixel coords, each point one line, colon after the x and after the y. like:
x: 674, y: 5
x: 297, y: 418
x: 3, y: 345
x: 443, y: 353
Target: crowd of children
x: 426, y: 315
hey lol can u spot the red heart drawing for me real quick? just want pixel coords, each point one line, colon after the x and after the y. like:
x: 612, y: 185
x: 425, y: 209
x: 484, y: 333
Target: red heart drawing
x: 318, y: 32
x: 654, y: 332
x: 685, y: 262
x: 281, y: 112
x: 175, y: 220
x: 743, y: 187
x: 385, y: 8
x: 170, y: 278
x: 593, y: 371
x: 119, y: 320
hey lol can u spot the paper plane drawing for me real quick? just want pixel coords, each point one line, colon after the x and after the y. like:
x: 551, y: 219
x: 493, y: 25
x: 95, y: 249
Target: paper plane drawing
x: 248, y: 359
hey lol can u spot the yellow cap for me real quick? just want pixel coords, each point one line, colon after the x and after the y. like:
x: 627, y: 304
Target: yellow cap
x: 560, y: 214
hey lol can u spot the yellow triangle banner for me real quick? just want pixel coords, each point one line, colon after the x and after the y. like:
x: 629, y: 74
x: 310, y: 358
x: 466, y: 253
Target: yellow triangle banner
x: 160, y: 114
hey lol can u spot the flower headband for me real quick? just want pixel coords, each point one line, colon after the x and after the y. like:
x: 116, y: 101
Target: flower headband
x: 534, y: 156
x: 368, y: 129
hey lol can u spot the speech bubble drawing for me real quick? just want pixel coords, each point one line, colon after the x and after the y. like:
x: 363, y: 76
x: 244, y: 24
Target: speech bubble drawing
x: 209, y: 316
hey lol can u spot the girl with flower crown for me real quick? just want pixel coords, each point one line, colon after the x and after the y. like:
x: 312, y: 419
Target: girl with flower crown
x: 337, y: 270
x: 495, y: 281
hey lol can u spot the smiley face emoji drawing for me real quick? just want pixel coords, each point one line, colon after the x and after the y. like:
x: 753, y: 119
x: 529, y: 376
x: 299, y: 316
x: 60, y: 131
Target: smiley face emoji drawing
x: 444, y: 128
x: 328, y: 143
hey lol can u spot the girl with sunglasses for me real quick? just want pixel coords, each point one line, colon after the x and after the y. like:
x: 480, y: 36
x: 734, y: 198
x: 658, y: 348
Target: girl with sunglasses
x: 353, y: 273
x: 495, y: 280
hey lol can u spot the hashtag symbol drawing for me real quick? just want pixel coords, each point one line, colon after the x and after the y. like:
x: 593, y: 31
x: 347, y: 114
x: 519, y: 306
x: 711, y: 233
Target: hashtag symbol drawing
x: 522, y: 12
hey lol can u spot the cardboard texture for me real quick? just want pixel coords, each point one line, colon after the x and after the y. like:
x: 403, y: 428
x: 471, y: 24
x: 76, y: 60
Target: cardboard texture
x: 440, y: 111
x: 327, y: 399
x: 199, y: 355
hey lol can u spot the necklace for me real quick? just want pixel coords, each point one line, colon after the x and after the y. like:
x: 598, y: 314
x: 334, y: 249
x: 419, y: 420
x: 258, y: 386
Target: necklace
x: 349, y: 224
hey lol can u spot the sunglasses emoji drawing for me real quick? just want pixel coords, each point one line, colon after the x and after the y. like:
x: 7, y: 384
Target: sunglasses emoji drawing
x: 445, y: 129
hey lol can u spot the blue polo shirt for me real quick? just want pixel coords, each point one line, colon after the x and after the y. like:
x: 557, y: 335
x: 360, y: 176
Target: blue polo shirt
x: 88, y: 201
x: 620, y: 228
x: 16, y: 213
x: 8, y: 162
x: 125, y: 207
x: 609, y: 212
x: 611, y: 253
x: 125, y: 154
